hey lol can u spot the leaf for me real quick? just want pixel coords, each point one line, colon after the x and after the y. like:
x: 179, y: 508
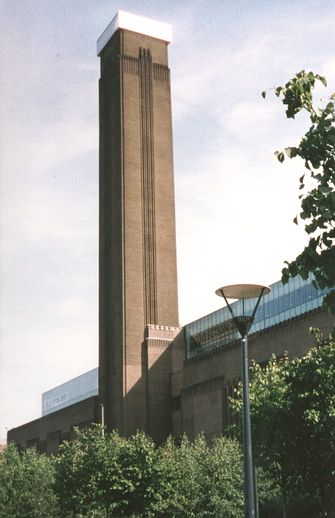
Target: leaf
x: 263, y: 94
x: 280, y: 156
x: 325, y: 189
x: 322, y: 79
x: 307, y: 165
x: 295, y: 220
x: 291, y: 151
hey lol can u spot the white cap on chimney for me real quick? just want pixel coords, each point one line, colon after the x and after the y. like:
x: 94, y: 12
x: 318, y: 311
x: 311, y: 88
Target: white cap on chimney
x: 134, y: 23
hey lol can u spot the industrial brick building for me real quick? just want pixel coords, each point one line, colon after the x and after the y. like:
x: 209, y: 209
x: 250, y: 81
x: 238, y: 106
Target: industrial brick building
x: 152, y: 374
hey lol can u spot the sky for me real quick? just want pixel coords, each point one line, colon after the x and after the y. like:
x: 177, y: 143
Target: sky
x: 234, y: 202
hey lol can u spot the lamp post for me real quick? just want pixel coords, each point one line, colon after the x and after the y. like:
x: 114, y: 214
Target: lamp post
x: 243, y: 324
x: 102, y: 420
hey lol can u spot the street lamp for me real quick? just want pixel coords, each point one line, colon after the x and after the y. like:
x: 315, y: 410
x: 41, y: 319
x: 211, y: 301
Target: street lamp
x: 243, y: 324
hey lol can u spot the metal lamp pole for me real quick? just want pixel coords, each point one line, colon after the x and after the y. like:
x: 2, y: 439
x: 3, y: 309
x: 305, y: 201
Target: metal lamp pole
x: 102, y: 420
x: 243, y: 324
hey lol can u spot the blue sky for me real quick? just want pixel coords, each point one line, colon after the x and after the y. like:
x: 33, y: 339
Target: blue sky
x: 234, y: 202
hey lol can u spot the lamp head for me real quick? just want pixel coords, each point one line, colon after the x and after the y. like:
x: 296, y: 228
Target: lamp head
x: 241, y: 292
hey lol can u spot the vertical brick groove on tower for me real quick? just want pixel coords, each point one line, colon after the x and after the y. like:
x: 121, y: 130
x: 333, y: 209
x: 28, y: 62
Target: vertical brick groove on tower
x: 148, y: 186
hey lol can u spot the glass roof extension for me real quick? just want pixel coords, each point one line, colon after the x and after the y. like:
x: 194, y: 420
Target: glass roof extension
x: 283, y: 303
x: 70, y: 392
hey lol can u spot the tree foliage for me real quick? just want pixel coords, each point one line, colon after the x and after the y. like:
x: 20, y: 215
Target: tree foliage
x: 317, y: 183
x: 26, y: 485
x: 292, y: 405
x: 199, y: 480
x: 117, y: 477
x: 97, y: 476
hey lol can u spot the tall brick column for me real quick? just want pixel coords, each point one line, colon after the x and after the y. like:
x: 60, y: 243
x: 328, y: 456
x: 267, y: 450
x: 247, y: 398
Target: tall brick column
x: 138, y: 279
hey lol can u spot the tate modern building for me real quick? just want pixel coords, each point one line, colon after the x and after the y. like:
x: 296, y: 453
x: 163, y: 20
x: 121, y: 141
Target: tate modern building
x: 154, y: 375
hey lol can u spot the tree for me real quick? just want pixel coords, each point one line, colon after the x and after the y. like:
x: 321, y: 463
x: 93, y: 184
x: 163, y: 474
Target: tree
x: 119, y: 476
x: 312, y: 387
x: 97, y: 475
x: 269, y: 409
x: 80, y: 465
x: 293, y: 422
x: 222, y: 493
x: 133, y: 480
x: 200, y: 480
x: 26, y: 484
x: 113, y: 476
x: 317, y: 183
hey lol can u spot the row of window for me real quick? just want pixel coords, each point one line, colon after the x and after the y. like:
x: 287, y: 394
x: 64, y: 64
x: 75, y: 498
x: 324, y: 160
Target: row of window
x: 281, y: 304
x: 74, y: 390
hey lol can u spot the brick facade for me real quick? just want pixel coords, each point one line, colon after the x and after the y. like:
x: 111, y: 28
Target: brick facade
x: 48, y: 432
x: 203, y: 385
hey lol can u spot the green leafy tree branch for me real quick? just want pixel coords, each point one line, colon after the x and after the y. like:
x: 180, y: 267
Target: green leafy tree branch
x: 317, y: 183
